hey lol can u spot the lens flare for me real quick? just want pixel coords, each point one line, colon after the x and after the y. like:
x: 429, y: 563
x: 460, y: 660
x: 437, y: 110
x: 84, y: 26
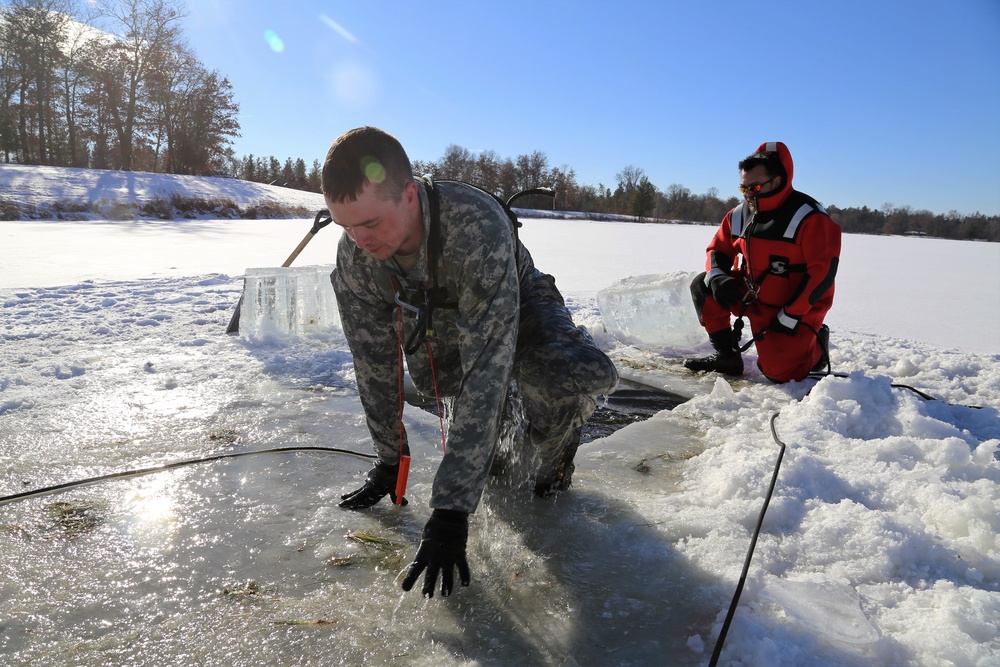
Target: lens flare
x: 274, y: 41
x: 339, y: 29
x: 372, y: 169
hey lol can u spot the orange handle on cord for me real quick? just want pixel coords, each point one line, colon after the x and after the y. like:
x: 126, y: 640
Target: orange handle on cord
x: 404, y: 473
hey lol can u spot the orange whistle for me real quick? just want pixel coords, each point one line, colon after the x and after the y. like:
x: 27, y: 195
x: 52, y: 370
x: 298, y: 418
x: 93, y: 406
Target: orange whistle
x: 404, y: 473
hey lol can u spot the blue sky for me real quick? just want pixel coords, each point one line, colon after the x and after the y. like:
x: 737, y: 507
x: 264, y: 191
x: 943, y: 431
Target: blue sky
x: 880, y: 101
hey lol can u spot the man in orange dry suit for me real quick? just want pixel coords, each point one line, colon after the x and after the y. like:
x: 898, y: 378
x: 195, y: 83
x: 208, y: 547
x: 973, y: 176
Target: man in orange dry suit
x: 773, y: 260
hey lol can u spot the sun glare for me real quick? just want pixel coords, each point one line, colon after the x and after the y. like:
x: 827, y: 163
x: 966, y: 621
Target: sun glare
x: 355, y: 85
x: 152, y: 504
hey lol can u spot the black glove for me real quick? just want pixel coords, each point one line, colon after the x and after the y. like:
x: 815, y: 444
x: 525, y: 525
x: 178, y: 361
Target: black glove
x: 726, y: 290
x: 381, y: 480
x: 441, y: 549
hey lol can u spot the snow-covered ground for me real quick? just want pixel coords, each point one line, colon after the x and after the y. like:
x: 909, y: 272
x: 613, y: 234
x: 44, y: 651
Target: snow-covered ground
x: 880, y: 545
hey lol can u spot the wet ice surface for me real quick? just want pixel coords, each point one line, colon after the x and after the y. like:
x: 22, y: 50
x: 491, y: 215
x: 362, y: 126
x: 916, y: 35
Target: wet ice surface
x: 252, y: 580
x: 249, y: 561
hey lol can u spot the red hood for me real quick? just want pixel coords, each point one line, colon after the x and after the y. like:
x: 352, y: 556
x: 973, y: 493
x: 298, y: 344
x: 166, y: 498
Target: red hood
x: 771, y: 202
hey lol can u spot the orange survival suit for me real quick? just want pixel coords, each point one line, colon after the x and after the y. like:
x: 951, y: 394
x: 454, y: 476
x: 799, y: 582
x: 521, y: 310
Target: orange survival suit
x: 787, y: 255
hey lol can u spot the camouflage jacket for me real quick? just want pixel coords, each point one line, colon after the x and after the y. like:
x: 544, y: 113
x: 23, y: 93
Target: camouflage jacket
x: 474, y: 335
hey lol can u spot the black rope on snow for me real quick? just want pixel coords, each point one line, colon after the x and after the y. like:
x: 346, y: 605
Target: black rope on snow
x: 65, y: 486
x: 767, y: 499
x: 894, y: 385
x: 753, y: 543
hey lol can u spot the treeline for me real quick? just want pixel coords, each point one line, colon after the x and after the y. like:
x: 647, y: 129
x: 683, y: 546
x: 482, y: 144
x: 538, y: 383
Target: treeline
x: 680, y: 204
x: 112, y: 84
x: 633, y: 194
x: 109, y: 84
x: 289, y: 174
x: 904, y: 220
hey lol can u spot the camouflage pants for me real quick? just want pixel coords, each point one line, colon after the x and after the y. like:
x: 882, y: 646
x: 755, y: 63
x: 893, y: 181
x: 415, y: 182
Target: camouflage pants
x: 559, y: 373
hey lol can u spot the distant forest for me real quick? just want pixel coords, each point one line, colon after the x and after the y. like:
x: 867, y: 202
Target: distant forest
x: 73, y: 95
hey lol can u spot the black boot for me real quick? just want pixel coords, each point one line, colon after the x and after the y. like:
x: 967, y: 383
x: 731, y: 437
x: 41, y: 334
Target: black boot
x: 823, y: 338
x: 558, y: 479
x: 727, y: 358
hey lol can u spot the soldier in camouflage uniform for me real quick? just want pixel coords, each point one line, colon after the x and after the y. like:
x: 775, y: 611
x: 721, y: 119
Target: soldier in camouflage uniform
x: 494, y: 318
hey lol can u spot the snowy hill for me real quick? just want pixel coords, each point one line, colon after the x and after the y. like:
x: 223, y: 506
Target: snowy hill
x: 48, y: 193
x: 881, y: 545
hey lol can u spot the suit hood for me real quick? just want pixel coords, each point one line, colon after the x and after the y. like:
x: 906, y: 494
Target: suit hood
x: 771, y: 202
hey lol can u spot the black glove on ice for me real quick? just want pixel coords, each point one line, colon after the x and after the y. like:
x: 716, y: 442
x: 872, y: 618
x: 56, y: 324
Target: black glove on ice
x: 441, y: 549
x: 381, y: 480
x: 726, y: 291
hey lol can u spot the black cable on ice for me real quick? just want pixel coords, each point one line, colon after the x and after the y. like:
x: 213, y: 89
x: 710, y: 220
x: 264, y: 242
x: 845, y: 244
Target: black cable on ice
x: 65, y: 486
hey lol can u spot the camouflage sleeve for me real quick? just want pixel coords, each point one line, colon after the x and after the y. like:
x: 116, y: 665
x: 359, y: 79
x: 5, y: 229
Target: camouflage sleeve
x: 482, y: 271
x: 368, y: 323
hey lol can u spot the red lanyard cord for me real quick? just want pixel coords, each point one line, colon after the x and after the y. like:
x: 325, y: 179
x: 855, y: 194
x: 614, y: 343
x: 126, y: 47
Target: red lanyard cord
x: 404, y: 459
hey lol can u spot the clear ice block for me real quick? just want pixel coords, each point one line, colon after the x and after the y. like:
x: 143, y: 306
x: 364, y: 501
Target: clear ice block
x: 286, y: 301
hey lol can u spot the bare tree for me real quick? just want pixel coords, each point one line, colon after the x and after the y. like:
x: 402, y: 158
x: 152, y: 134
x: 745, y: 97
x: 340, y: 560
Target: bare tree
x: 487, y: 172
x: 532, y: 170
x: 171, y: 79
x: 146, y: 30
x: 458, y: 164
x: 80, y: 44
x: 628, y: 180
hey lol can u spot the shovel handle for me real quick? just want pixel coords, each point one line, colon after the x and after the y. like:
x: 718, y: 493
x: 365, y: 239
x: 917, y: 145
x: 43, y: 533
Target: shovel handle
x: 295, y: 253
x: 321, y: 220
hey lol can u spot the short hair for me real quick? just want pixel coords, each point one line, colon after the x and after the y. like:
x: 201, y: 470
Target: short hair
x: 361, y: 156
x: 769, y: 159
